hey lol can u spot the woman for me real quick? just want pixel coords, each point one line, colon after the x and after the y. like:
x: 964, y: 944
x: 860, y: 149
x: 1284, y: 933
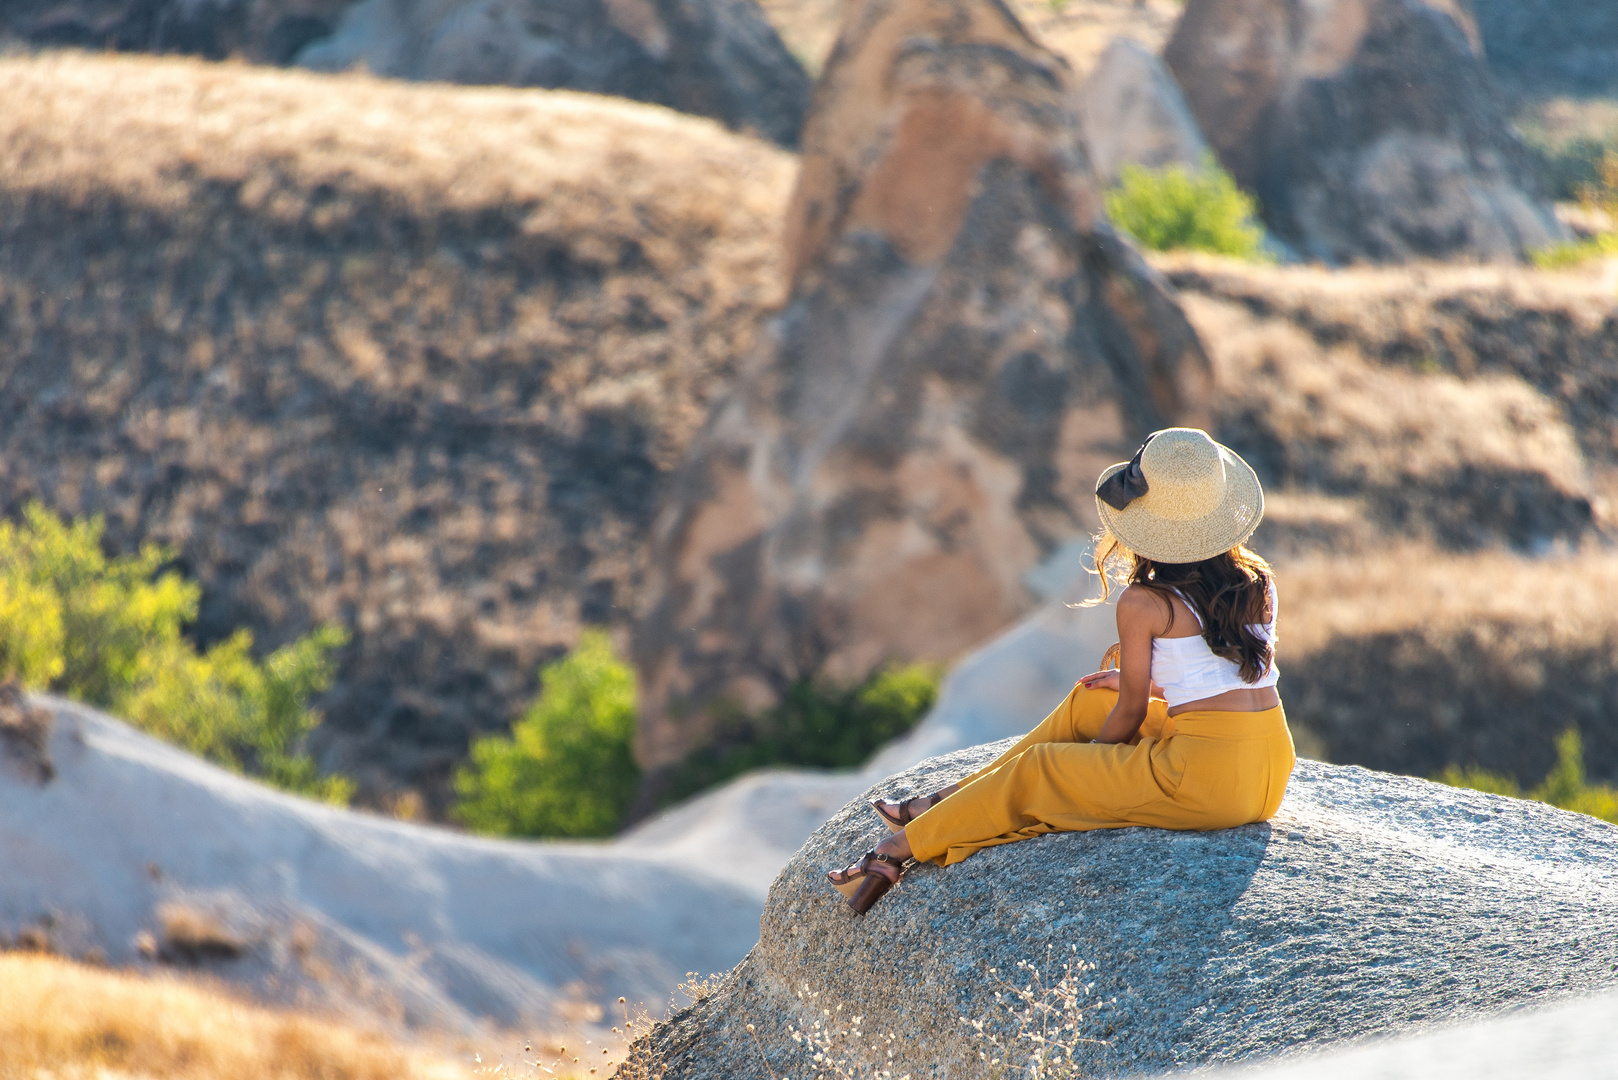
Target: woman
x: 1186, y: 733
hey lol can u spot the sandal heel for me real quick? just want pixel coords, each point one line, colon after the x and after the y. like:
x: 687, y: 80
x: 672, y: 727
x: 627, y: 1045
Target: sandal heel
x: 873, y: 887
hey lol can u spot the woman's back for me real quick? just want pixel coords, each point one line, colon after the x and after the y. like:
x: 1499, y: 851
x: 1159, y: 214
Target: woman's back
x: 1187, y: 669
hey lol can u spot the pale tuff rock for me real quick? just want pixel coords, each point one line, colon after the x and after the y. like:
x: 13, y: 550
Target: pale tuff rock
x: 967, y: 344
x: 1372, y: 904
x: 1134, y: 114
x: 1370, y: 130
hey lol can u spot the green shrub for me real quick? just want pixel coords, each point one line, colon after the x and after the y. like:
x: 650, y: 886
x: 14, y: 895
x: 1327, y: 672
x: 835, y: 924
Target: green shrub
x: 1178, y: 208
x: 568, y: 768
x: 1565, y: 786
x: 109, y: 632
x: 817, y: 725
x: 1600, y: 196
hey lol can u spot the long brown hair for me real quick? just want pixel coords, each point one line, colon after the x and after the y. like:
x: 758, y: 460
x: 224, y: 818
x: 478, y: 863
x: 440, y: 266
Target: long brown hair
x: 1229, y: 591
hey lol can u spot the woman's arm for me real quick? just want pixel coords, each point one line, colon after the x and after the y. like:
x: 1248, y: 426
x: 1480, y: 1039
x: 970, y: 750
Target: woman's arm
x: 1141, y: 616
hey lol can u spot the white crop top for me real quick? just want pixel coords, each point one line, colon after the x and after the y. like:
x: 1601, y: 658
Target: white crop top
x: 1188, y: 670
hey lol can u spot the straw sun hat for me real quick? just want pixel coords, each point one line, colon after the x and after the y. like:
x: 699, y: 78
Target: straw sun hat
x: 1183, y: 498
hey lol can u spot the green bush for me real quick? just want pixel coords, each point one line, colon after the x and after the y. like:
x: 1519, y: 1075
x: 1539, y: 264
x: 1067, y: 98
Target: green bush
x: 1565, y: 787
x: 817, y: 725
x: 568, y: 768
x: 109, y: 632
x: 1599, y: 195
x: 1184, y: 209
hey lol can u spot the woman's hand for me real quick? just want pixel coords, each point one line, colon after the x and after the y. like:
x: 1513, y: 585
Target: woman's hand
x: 1100, y: 680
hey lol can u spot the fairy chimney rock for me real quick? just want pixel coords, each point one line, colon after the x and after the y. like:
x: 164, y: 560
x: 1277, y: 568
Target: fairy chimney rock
x: 966, y: 344
x: 1370, y: 130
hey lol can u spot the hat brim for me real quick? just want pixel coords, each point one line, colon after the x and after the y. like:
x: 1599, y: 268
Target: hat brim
x: 1168, y: 540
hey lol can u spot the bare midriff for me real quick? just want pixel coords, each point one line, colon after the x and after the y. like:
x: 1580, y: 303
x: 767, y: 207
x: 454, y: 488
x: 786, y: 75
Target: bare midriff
x: 1243, y: 699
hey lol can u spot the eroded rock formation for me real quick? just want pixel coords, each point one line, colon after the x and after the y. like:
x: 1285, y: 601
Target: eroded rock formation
x: 264, y: 31
x: 1134, y: 114
x: 718, y: 58
x: 1370, y: 904
x: 1369, y: 129
x: 1550, y: 45
x: 966, y: 345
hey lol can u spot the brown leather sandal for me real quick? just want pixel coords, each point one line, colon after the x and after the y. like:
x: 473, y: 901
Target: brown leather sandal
x: 861, y: 885
x: 897, y: 822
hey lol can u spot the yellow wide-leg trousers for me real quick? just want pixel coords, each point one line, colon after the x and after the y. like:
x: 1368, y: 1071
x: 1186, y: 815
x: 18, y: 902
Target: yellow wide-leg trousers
x: 1197, y: 770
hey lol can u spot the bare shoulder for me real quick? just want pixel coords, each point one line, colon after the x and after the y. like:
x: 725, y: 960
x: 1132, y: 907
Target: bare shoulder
x: 1139, y: 605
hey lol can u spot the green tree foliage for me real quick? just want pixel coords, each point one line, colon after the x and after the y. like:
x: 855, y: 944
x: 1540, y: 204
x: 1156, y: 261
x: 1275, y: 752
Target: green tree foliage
x: 1177, y: 208
x: 568, y: 768
x: 817, y: 725
x: 109, y: 632
x: 1565, y: 786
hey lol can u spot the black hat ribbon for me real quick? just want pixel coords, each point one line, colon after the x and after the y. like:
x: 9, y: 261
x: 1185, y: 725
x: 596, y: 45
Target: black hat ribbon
x: 1127, y: 484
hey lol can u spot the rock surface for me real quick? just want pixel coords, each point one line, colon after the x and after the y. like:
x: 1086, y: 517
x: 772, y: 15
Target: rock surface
x: 1134, y: 114
x: 718, y: 58
x: 1370, y: 905
x: 264, y: 31
x: 1550, y: 45
x: 138, y: 852
x: 1571, y: 1041
x: 967, y: 345
x: 1370, y: 130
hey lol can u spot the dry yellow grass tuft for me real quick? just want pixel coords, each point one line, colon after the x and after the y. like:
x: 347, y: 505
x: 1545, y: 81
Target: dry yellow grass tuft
x: 65, y: 1021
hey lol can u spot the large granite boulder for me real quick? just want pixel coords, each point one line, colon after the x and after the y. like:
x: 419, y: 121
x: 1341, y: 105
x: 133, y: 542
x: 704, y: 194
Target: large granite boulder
x: 1371, y: 904
x: 1570, y: 1040
x: 1134, y: 114
x: 718, y: 58
x: 966, y: 344
x: 1370, y: 130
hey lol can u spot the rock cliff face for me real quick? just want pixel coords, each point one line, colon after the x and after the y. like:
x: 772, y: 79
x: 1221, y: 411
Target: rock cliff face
x: 966, y: 345
x: 1134, y: 114
x: 1370, y: 904
x: 264, y: 31
x: 1369, y: 129
x: 1550, y: 45
x: 718, y: 58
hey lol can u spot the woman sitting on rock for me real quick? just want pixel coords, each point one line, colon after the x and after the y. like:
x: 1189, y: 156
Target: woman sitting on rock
x: 1186, y: 733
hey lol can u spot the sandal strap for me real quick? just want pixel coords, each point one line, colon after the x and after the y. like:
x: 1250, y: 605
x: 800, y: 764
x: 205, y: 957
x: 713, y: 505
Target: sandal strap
x: 905, y: 814
x: 882, y: 857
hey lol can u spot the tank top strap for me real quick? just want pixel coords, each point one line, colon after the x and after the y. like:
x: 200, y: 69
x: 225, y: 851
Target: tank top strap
x: 1189, y: 606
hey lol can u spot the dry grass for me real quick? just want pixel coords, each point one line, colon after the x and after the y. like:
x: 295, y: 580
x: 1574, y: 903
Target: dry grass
x: 64, y: 1021
x: 1410, y: 659
x: 409, y: 358
x: 1465, y: 405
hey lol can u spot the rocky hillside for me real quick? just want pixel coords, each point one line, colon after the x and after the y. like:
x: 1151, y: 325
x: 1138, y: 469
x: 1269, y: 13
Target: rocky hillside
x: 411, y: 359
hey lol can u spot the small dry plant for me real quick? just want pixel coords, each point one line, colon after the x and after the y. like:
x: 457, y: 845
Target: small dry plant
x: 839, y: 1048
x: 1047, y: 1019
x: 585, y: 1058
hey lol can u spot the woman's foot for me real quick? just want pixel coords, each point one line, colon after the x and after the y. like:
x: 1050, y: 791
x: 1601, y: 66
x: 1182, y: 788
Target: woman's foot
x: 899, y: 814
x: 865, y: 882
x: 878, y: 870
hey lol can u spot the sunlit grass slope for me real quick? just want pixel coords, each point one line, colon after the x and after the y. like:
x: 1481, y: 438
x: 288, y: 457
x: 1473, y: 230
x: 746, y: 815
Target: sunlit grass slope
x: 66, y: 1021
